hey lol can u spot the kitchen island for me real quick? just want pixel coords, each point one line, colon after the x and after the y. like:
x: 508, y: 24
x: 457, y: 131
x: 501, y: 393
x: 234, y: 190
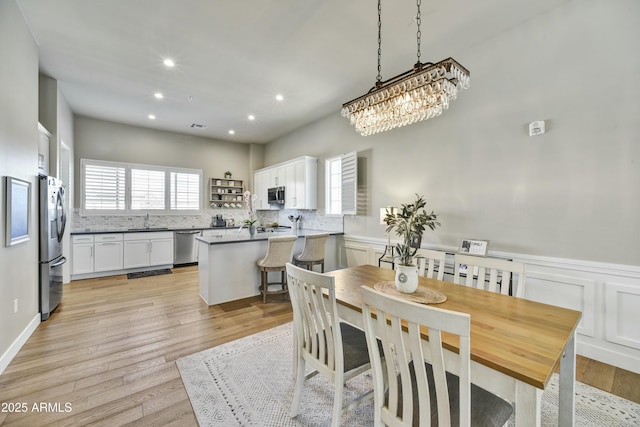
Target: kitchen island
x: 227, y: 263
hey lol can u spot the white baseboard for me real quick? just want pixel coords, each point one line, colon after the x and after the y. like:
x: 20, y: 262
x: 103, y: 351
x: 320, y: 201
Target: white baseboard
x: 13, y: 349
x: 610, y: 357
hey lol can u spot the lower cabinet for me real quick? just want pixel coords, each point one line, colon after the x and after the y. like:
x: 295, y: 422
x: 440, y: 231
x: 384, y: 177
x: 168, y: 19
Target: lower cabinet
x: 95, y: 255
x: 107, y: 252
x: 148, y: 248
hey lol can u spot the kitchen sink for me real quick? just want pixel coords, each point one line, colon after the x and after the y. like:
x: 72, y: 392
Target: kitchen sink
x: 149, y: 229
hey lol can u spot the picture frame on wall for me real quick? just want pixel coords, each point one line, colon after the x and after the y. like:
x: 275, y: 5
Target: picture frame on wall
x: 17, y: 211
x: 474, y: 247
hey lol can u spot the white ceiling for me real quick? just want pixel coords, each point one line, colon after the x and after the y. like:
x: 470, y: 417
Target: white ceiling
x: 234, y: 56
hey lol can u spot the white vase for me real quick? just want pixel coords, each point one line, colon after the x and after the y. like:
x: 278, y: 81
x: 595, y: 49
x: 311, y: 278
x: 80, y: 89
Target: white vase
x: 406, y: 278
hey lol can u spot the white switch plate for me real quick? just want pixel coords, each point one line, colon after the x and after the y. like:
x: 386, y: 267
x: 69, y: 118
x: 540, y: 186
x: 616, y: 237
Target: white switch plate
x: 15, y: 305
x: 536, y: 128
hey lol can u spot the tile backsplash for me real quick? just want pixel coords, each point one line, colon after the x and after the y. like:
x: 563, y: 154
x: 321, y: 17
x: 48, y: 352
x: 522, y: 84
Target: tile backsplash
x: 315, y: 220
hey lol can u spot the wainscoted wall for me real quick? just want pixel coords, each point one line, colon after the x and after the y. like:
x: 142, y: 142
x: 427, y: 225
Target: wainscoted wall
x: 608, y: 295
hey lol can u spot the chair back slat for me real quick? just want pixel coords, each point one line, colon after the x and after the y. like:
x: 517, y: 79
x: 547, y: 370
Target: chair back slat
x: 502, y: 274
x: 431, y: 263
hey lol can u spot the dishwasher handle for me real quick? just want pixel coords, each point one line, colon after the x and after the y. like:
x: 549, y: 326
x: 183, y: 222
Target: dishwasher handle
x: 189, y: 232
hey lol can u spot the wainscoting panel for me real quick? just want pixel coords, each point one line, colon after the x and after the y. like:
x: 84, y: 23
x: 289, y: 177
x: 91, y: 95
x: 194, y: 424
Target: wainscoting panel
x: 568, y: 292
x: 622, y: 314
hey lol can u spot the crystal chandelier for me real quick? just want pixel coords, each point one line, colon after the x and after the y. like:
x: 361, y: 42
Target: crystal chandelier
x: 418, y: 94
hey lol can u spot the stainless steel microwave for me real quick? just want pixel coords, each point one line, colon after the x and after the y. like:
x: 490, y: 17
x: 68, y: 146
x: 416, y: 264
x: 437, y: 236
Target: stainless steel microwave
x: 275, y: 196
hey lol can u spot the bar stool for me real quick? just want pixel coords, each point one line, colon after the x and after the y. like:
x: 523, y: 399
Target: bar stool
x: 313, y: 252
x: 279, y: 250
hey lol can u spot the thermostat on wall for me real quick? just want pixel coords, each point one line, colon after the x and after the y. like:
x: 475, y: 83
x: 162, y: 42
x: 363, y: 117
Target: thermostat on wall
x: 536, y: 128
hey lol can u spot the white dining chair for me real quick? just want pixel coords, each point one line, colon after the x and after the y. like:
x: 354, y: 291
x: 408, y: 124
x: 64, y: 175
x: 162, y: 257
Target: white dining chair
x: 412, y: 383
x: 431, y: 263
x: 332, y: 348
x: 505, y: 277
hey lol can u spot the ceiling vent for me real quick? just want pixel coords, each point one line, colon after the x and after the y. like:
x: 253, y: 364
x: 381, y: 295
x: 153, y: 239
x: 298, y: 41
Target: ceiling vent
x: 198, y: 126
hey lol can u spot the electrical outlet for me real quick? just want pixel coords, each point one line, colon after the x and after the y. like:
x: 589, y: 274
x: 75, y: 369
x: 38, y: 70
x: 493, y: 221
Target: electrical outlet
x: 15, y: 305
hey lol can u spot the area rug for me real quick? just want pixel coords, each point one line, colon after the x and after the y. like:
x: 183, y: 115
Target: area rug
x: 148, y: 273
x: 248, y: 382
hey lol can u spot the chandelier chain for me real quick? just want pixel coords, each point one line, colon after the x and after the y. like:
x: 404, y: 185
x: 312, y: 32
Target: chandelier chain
x: 379, y: 77
x: 418, y: 22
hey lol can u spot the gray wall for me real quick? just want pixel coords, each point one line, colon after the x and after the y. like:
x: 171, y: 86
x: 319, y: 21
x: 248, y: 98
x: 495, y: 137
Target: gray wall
x: 571, y: 193
x: 102, y: 140
x: 19, y: 159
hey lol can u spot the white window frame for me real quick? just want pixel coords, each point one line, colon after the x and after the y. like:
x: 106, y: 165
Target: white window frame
x: 348, y: 183
x: 329, y: 189
x: 127, y: 209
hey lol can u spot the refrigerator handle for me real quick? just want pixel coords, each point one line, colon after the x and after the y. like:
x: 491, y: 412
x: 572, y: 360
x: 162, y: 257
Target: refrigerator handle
x: 60, y: 262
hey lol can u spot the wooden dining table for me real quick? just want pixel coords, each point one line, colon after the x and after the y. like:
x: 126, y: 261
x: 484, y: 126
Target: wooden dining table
x: 516, y: 344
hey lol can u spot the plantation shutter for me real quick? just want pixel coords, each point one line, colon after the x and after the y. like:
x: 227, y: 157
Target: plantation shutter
x: 349, y: 183
x: 104, y: 187
x: 185, y: 191
x: 147, y: 189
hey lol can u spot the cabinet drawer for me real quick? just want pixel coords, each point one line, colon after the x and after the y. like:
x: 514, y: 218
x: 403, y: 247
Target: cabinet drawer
x: 148, y: 235
x: 111, y: 237
x: 84, y: 238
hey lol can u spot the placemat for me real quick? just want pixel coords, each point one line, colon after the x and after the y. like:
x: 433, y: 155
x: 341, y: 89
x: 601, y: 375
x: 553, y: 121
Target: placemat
x: 422, y: 295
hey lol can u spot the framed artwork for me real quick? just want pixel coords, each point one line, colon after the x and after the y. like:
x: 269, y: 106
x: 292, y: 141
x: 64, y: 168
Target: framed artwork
x: 474, y: 247
x: 17, y: 212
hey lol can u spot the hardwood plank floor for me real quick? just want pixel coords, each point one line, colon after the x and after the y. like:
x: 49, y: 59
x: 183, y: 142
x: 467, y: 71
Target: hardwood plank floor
x: 108, y: 352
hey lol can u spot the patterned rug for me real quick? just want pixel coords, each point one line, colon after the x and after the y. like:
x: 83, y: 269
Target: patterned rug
x: 248, y: 382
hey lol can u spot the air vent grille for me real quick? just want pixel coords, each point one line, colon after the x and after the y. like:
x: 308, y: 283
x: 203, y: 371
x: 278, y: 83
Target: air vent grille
x: 198, y: 126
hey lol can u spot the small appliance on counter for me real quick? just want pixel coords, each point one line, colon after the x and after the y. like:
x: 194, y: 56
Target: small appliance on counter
x: 218, y: 221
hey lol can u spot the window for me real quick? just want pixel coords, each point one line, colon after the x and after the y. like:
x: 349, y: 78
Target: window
x: 185, y: 191
x: 333, y: 203
x: 341, y: 184
x: 104, y: 187
x: 112, y: 188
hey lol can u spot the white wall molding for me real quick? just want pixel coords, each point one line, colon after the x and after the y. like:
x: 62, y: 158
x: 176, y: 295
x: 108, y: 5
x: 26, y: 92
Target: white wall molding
x: 621, y: 314
x: 11, y: 352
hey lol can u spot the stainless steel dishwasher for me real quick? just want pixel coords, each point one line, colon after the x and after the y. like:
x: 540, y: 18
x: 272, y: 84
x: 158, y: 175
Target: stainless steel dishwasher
x: 186, y: 247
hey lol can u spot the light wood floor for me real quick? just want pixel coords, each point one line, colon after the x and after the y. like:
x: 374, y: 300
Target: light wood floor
x: 109, y: 351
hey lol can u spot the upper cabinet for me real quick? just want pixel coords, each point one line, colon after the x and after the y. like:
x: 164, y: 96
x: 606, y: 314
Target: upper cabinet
x: 299, y: 177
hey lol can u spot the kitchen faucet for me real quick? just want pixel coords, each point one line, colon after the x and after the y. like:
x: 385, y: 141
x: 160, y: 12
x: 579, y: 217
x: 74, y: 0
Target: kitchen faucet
x: 146, y: 220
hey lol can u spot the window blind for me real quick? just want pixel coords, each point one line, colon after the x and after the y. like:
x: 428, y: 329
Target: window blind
x: 147, y: 189
x: 104, y: 187
x: 185, y: 191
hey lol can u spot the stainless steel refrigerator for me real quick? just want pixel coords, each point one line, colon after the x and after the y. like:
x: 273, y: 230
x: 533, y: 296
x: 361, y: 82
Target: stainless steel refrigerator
x: 53, y: 220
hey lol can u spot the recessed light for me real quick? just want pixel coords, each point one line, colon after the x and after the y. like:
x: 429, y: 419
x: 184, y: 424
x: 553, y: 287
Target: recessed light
x: 169, y: 62
x: 158, y: 95
x: 279, y: 97
x: 151, y: 117
x: 251, y: 117
x: 232, y: 132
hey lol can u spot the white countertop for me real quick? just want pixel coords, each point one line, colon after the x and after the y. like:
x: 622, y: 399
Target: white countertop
x: 245, y: 237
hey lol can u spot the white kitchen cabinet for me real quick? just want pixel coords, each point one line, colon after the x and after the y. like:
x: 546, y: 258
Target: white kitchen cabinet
x: 261, y: 185
x: 149, y: 248
x: 299, y: 177
x: 82, y: 254
x: 107, y: 252
x: 301, y: 184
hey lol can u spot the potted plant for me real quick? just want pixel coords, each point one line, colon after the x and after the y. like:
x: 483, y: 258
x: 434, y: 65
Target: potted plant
x: 409, y: 222
x: 227, y: 174
x: 250, y: 201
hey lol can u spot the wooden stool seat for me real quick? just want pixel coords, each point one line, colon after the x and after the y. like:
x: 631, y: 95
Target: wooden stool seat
x: 279, y: 250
